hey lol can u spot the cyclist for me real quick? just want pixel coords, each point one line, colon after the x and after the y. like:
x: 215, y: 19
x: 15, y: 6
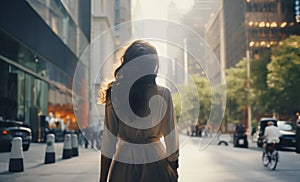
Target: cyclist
x: 271, y: 135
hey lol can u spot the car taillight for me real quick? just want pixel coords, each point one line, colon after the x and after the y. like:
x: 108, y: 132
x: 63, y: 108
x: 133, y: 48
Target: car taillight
x: 4, y: 132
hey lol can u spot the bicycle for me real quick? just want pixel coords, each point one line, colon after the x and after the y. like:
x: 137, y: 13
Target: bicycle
x: 271, y: 159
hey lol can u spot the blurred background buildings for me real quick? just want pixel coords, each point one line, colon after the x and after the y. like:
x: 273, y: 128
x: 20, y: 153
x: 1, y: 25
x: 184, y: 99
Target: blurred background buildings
x: 106, y: 36
x: 231, y: 27
x: 254, y: 25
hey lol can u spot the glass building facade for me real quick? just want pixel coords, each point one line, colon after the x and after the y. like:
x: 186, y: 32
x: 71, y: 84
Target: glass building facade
x: 41, y: 43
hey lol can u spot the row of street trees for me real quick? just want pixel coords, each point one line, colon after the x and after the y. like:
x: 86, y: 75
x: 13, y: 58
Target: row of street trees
x: 274, y: 87
x: 275, y: 82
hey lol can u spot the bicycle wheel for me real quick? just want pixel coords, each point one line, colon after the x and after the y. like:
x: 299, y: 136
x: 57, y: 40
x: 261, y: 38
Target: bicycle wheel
x: 274, y: 160
x: 265, y: 159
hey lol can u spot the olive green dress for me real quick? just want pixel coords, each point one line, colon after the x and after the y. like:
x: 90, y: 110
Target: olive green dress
x: 142, y: 154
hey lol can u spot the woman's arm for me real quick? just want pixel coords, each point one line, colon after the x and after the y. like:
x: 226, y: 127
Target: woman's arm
x: 105, y: 166
x: 170, y: 134
x: 109, y: 139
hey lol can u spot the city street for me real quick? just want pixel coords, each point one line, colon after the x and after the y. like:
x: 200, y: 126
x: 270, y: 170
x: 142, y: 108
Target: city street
x: 214, y: 163
x: 138, y: 70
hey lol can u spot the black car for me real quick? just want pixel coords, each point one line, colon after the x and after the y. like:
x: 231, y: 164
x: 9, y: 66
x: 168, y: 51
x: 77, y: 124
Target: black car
x: 11, y: 129
x: 287, y: 135
x: 263, y: 123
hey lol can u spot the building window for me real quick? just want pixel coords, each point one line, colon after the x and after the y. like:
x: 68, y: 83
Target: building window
x: 117, y: 14
x: 261, y: 7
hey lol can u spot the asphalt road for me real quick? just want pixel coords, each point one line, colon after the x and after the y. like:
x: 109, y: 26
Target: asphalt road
x: 227, y: 163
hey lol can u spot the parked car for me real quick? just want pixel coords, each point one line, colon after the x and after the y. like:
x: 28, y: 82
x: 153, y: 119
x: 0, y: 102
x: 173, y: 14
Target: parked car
x: 288, y: 135
x: 263, y: 123
x: 11, y: 129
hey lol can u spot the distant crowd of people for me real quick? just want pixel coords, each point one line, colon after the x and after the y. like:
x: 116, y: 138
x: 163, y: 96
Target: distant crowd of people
x: 201, y: 130
x: 91, y: 136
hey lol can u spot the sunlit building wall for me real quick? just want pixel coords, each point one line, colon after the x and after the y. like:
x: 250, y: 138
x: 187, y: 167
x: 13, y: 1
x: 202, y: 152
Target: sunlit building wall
x: 197, y: 19
x: 123, y: 32
x: 106, y: 37
x: 225, y: 33
x: 41, y: 42
x: 102, y: 45
x: 200, y: 14
x: 215, y: 38
x: 175, y: 53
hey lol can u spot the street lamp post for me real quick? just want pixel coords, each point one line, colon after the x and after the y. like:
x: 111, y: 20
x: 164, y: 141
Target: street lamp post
x: 185, y: 63
x: 249, y: 115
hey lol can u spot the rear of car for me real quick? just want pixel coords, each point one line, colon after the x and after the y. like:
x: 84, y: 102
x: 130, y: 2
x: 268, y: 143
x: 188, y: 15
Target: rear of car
x: 263, y: 123
x: 288, y: 135
x: 11, y: 129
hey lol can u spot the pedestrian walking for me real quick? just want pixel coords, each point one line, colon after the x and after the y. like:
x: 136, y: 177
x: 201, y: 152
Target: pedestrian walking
x: 139, y: 155
x: 86, y: 134
x: 93, y: 135
x: 80, y: 137
x: 99, y: 135
x: 253, y: 131
x: 208, y: 131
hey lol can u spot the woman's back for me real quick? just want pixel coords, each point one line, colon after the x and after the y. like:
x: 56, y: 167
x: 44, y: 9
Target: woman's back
x: 136, y: 120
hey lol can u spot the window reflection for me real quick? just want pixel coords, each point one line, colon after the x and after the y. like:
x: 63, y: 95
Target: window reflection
x: 23, y: 95
x: 54, y: 13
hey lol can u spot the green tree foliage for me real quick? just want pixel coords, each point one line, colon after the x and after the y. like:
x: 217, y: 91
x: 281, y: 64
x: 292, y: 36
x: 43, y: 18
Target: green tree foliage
x: 204, y: 92
x: 275, y: 82
x: 237, y: 91
x: 188, y: 109
x: 283, y: 77
x: 261, y: 103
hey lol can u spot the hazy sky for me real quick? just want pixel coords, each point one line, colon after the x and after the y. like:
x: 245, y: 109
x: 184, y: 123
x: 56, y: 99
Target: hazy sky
x: 157, y: 9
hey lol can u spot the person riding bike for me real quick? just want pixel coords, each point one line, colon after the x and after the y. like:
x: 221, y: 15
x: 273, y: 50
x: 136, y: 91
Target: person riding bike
x: 271, y: 136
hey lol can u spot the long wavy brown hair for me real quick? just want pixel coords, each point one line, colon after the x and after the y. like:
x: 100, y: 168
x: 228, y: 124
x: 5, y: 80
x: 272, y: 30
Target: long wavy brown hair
x: 137, y: 94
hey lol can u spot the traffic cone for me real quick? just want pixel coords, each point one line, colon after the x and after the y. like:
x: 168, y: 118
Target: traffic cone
x: 16, y: 156
x: 74, y: 145
x: 50, y: 152
x: 67, y: 151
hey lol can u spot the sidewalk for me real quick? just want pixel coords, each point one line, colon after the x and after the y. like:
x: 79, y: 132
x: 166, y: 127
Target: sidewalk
x: 83, y: 168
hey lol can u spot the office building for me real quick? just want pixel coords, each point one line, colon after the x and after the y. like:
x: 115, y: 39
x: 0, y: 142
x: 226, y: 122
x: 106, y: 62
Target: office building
x: 41, y: 42
x: 253, y: 25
